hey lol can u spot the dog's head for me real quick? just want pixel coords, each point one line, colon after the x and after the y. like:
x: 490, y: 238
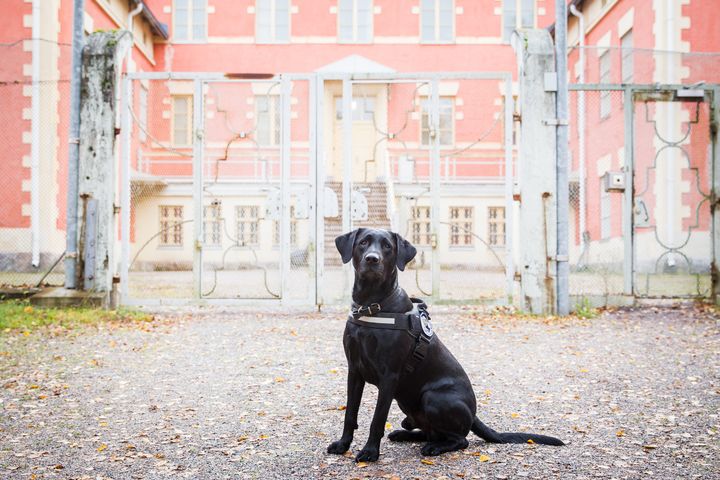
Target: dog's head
x: 375, y: 253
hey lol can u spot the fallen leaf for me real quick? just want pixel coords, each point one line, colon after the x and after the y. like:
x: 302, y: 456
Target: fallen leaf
x: 102, y: 447
x: 484, y: 458
x: 388, y: 426
x: 514, y: 415
x: 530, y: 441
x: 427, y: 462
x: 620, y: 433
x: 361, y: 464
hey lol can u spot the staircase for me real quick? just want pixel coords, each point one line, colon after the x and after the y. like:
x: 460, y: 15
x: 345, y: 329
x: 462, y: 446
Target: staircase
x: 376, y: 195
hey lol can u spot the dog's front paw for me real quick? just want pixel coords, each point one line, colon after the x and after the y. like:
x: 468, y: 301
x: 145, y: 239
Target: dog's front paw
x: 339, y: 447
x: 368, y: 454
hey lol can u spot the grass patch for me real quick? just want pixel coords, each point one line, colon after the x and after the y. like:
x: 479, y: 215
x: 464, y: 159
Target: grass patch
x: 20, y: 315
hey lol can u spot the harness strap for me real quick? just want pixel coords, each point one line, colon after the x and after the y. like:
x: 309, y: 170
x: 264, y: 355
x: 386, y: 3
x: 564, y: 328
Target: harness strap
x: 415, y: 322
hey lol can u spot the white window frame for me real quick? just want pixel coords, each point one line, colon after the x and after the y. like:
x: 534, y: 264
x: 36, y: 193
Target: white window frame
x: 188, y: 120
x: 464, y: 235
x: 171, y: 226
x: 212, y: 225
x: 272, y: 36
x: 496, y: 238
x: 605, y: 69
x: 253, y: 221
x: 516, y: 21
x: 293, y: 230
x: 272, y: 124
x: 143, y: 120
x: 190, y: 37
x: 421, y: 226
x: 425, y: 120
x: 437, y: 37
x: 626, y: 65
x: 354, y: 22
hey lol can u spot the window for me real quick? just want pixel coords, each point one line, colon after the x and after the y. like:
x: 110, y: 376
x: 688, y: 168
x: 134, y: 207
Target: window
x: 420, y: 226
x: 293, y: 229
x: 171, y: 226
x: 247, y: 224
x: 143, y: 100
x: 267, y: 117
x: 496, y: 226
x: 182, y: 120
x: 446, y: 122
x: 363, y: 108
x: 605, y: 208
x: 605, y: 97
x: 461, y: 226
x: 273, y: 21
x: 626, y: 42
x: 212, y: 225
x: 511, y: 19
x: 436, y: 21
x: 355, y: 21
x: 190, y: 20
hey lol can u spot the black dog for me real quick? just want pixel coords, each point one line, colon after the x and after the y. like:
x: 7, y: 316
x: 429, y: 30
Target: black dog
x: 407, y: 363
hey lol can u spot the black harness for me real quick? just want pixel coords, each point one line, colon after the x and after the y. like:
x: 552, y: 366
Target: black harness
x: 416, y: 323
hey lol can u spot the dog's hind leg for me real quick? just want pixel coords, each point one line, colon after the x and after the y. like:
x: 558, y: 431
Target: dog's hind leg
x: 441, y: 446
x: 407, y: 436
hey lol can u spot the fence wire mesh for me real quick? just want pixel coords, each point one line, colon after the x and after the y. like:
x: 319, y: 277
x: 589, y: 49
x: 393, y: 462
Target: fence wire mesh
x: 33, y: 162
x: 597, y: 143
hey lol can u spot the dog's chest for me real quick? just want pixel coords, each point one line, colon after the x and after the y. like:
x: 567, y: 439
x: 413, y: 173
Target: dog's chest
x: 376, y: 353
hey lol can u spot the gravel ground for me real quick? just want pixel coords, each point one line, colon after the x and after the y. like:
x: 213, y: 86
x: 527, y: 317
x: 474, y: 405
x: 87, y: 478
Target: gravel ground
x: 237, y: 394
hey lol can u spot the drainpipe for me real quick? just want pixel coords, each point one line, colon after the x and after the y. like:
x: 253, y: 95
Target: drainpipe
x: 561, y: 142
x: 74, y: 150
x: 581, y: 133
x: 35, y: 133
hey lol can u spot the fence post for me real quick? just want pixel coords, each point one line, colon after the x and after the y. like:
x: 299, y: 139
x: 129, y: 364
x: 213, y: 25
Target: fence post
x: 97, y: 182
x: 536, y: 167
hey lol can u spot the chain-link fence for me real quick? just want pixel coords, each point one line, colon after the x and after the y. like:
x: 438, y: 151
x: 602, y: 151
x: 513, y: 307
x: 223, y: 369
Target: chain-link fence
x: 34, y: 111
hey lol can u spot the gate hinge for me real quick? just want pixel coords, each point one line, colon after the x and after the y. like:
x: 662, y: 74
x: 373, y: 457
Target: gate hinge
x: 558, y: 258
x: 555, y: 121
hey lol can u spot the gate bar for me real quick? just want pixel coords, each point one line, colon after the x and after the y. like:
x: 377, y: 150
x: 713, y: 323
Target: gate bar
x: 435, y: 183
x: 347, y: 93
x: 509, y: 203
x: 198, y: 148
x: 125, y: 106
x: 715, y: 165
x: 628, y: 194
x: 285, y: 88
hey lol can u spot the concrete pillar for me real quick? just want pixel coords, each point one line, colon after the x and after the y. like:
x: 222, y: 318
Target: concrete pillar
x: 97, y: 182
x: 536, y: 170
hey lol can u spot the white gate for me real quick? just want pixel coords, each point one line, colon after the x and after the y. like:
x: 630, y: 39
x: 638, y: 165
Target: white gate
x: 234, y: 186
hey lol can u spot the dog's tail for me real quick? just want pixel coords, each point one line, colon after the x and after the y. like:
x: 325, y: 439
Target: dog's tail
x: 490, y: 435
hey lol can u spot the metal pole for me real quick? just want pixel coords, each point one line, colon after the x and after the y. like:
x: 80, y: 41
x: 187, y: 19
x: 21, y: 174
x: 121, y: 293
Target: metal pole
x: 509, y: 203
x: 434, y: 125
x: 582, y: 201
x: 563, y: 301
x: 74, y: 150
x: 198, y: 179
x: 629, y: 255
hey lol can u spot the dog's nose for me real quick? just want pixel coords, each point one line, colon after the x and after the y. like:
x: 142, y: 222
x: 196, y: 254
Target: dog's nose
x: 372, y: 258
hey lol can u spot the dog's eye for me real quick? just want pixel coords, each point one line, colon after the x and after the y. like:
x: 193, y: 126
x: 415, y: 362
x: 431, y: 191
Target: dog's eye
x: 363, y: 242
x: 386, y: 246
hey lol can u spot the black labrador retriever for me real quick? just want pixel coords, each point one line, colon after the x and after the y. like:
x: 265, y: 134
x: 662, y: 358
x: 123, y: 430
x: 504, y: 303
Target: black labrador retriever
x: 431, y: 389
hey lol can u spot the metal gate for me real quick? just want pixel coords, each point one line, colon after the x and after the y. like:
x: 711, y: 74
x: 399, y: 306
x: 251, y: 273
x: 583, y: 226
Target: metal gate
x: 235, y: 186
x: 643, y: 191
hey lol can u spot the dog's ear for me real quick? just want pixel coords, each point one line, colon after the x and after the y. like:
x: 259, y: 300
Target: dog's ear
x: 405, y: 252
x: 345, y: 243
